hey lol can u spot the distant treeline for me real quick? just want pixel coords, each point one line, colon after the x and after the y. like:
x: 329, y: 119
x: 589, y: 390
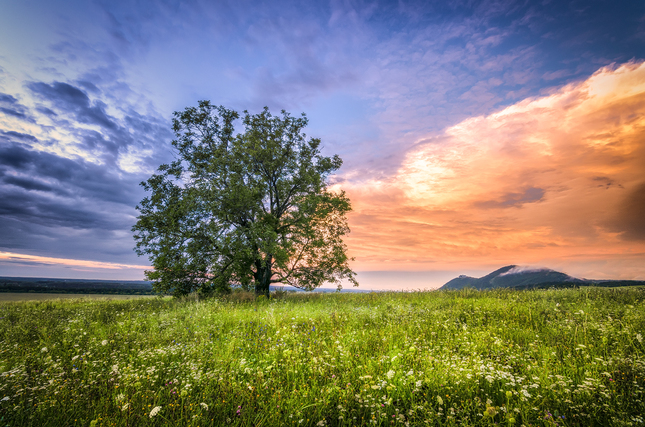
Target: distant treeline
x: 74, y: 286
x: 582, y: 284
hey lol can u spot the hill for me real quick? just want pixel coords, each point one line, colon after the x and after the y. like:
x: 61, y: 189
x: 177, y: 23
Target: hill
x: 513, y: 276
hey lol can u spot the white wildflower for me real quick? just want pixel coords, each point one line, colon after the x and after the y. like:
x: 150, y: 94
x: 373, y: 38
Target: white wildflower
x: 639, y: 337
x: 321, y: 423
x: 125, y: 407
x: 4, y: 399
x: 74, y: 358
x: 203, y: 405
x: 390, y: 374
x: 43, y: 350
x: 155, y: 411
x: 104, y: 342
x: 411, y: 372
x: 419, y: 383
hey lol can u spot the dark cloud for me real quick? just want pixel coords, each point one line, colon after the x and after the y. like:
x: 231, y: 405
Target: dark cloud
x: 7, y: 99
x: 6, y: 135
x: 10, y: 106
x: 75, y: 207
x: 114, y: 137
x: 605, y: 182
x: 13, y: 112
x: 89, y: 86
x: 509, y: 200
x: 52, y: 203
x: 631, y: 218
x: 27, y: 183
x: 74, y: 101
x: 46, y: 111
x: 83, y: 179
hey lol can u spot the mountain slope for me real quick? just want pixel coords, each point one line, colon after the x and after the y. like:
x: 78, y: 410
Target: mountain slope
x: 511, y: 276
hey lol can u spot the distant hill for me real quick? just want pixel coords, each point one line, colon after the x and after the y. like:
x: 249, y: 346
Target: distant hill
x: 513, y: 276
x: 74, y: 286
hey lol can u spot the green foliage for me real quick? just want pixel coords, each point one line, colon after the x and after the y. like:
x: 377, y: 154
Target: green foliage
x: 250, y: 209
x: 540, y: 358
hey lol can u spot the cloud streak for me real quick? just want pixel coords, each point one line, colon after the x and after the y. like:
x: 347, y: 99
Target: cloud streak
x: 33, y: 259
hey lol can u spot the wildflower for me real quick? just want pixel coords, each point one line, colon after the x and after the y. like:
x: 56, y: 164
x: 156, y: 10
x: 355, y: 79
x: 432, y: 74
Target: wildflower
x: 490, y: 412
x: 321, y: 423
x: 639, y: 337
x: 419, y: 383
x: 125, y: 407
x: 390, y: 374
x: 120, y: 397
x: 104, y: 342
x: 203, y: 405
x: 4, y: 399
x: 440, y: 400
x: 43, y: 350
x: 411, y: 372
x: 155, y: 411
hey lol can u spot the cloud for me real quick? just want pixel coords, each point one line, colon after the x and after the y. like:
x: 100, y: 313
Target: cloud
x: 548, y: 177
x: 525, y: 269
x: 75, y: 178
x: 530, y: 195
x: 70, y: 207
x: 9, y: 135
x: 10, y: 106
x: 34, y: 259
x: 73, y: 100
x: 630, y: 218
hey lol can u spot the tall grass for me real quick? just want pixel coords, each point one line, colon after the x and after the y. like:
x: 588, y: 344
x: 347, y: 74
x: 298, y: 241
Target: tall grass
x: 546, y: 357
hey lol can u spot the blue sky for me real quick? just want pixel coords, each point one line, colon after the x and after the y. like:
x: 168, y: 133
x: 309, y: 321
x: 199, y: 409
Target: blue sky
x: 87, y: 91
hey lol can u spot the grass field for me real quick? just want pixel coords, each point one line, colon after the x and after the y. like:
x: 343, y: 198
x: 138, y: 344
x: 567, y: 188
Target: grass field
x: 540, y: 358
x: 36, y: 296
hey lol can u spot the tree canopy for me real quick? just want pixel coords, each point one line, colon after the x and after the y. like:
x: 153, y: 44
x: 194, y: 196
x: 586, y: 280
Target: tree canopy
x: 247, y: 209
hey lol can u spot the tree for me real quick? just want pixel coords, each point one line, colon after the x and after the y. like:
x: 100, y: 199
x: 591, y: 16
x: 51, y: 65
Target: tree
x: 245, y: 210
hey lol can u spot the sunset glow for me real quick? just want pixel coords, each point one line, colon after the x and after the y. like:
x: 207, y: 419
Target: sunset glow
x: 548, y: 180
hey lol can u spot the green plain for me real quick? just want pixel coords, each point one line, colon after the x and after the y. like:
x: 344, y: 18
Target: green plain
x: 571, y: 357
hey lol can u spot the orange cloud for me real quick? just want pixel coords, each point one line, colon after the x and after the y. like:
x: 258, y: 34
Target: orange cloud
x: 34, y: 259
x: 560, y: 177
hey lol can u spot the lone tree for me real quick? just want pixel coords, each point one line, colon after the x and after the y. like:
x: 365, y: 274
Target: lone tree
x: 246, y: 210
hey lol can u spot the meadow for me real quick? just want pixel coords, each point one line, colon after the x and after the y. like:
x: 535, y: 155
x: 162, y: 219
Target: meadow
x: 571, y: 357
x: 36, y: 296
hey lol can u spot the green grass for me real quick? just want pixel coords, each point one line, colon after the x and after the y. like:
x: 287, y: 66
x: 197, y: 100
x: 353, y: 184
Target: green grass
x: 545, y: 357
x: 36, y: 296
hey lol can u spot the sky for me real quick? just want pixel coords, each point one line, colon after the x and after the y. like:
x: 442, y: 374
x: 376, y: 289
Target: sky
x: 474, y: 134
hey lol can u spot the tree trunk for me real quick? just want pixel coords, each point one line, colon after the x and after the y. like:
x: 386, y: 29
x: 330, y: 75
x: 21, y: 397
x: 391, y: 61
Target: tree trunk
x: 263, y: 277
